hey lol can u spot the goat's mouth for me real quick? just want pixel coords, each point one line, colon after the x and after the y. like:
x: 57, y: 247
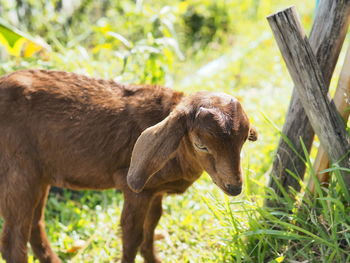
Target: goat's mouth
x: 230, y: 189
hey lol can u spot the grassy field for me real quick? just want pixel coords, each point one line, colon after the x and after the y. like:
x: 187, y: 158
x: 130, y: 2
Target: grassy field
x: 190, y: 46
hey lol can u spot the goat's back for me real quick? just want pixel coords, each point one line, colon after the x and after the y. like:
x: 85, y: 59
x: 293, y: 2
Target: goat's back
x: 74, y: 127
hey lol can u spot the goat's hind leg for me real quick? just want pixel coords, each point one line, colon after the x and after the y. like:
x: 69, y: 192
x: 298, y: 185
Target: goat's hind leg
x: 38, y: 239
x: 18, y: 198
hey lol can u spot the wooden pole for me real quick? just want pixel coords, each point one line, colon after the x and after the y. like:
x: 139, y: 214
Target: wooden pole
x: 342, y: 103
x: 311, y: 87
x: 326, y: 39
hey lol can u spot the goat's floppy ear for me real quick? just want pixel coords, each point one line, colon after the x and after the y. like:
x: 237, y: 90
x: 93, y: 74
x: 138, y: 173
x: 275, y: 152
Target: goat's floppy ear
x: 154, y: 148
x: 253, y: 134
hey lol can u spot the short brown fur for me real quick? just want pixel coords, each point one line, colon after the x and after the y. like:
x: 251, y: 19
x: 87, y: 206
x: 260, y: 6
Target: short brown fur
x: 67, y: 130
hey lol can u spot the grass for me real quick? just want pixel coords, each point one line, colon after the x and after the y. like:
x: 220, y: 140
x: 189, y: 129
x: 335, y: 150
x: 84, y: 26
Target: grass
x: 202, y: 225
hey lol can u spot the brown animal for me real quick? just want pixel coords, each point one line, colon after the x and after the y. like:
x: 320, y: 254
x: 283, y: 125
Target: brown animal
x: 67, y: 130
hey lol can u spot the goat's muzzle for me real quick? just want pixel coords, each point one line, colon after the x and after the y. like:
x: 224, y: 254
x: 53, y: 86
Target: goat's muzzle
x: 233, y: 189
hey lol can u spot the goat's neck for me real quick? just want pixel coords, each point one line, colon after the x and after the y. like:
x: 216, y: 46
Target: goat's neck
x: 188, y: 162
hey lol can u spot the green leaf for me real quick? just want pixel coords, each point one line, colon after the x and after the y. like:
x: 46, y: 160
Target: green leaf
x: 16, y: 41
x: 276, y: 233
x: 10, y: 35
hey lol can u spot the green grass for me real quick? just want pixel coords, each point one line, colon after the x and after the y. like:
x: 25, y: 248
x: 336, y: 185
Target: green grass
x: 239, y: 58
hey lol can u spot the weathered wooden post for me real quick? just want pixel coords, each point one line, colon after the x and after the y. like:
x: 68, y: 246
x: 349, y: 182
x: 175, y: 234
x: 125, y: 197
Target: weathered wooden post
x: 311, y: 87
x: 326, y: 39
x: 342, y: 102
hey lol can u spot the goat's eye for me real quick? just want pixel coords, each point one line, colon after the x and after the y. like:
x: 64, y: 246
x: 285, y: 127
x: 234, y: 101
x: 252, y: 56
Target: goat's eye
x: 201, y: 147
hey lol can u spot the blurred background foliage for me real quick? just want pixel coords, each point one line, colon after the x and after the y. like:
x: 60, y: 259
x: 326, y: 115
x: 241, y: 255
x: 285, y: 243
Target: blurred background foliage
x: 143, y: 41
x: 217, y: 45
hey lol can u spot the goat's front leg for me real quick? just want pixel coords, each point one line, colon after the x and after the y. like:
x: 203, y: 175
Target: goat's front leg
x: 132, y: 221
x: 153, y: 215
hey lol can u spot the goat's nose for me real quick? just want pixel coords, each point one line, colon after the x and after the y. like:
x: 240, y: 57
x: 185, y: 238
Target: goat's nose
x: 233, y: 189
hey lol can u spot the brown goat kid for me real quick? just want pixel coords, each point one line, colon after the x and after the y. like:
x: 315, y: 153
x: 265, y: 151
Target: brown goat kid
x: 67, y: 130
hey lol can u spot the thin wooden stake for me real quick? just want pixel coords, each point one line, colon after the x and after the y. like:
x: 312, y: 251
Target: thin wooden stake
x: 342, y: 102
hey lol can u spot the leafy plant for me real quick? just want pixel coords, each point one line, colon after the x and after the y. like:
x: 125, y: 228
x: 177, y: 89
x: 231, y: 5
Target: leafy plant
x: 18, y: 43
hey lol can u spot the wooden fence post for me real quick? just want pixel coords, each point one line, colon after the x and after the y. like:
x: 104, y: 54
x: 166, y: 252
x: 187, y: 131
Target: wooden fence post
x: 341, y: 101
x: 311, y: 87
x: 326, y: 39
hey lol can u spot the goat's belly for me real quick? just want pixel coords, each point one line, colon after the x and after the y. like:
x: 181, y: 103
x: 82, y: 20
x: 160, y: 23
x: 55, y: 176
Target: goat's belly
x: 89, y: 181
x: 77, y: 185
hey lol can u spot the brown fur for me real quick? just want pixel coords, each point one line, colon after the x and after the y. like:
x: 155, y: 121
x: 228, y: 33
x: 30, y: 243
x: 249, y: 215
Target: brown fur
x: 68, y: 130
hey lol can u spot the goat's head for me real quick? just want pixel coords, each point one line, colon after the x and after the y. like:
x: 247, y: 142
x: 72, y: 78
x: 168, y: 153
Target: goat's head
x: 216, y: 126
